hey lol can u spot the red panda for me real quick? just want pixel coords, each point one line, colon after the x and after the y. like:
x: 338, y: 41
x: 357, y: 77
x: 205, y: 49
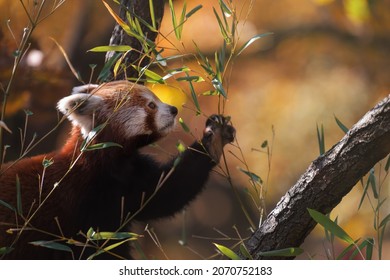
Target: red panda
x: 99, y: 178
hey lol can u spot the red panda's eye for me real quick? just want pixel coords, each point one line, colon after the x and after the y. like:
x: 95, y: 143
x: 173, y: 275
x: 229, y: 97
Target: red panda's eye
x: 152, y: 105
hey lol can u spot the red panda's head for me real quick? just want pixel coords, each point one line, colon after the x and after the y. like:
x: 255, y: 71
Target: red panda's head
x: 128, y: 109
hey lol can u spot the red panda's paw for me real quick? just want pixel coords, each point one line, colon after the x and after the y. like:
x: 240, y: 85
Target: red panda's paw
x: 217, y: 134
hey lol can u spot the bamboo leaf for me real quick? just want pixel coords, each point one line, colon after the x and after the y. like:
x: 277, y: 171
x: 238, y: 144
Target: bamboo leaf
x: 341, y: 125
x: 108, y: 248
x: 331, y: 226
x: 369, y: 244
x: 196, y: 79
x: 244, y: 251
x: 193, y: 11
x: 287, y: 252
x: 122, y: 24
x: 226, y: 10
x: 121, y: 48
x: 52, y: 245
x: 345, y: 251
x: 152, y: 15
x: 372, y: 182
x: 252, y: 176
x: 222, y: 28
x: 5, y: 250
x: 182, y: 19
x: 105, y: 73
x: 227, y: 252
x: 5, y: 204
x: 387, y: 165
x: 385, y: 220
x: 194, y: 97
x: 218, y: 86
x: 252, y: 40
x: 321, y: 139
x: 100, y: 146
x: 174, y: 22
x: 210, y: 93
x: 155, y: 78
x: 104, y: 235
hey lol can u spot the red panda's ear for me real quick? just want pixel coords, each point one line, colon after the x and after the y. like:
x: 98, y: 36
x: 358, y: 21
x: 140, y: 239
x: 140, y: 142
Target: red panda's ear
x: 79, y: 108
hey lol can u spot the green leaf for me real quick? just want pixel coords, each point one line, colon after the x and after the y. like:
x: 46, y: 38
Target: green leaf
x: 223, y: 28
x: 287, y: 252
x: 182, y: 19
x: 244, y: 251
x: 52, y: 245
x: 196, y: 79
x: 105, y: 73
x: 156, y: 78
x: 194, y: 97
x: 252, y: 176
x: 372, y: 182
x: 387, y: 166
x: 5, y: 204
x: 193, y: 11
x: 227, y: 252
x: 226, y: 10
x: 321, y: 139
x: 108, y: 248
x: 218, y: 86
x: 175, y: 71
x: 369, y: 244
x: 122, y: 24
x: 341, y: 125
x: 210, y: 93
x: 174, y: 21
x: 252, y: 40
x: 184, y: 126
x: 152, y: 15
x: 345, y: 251
x: 104, y: 235
x: 100, y: 146
x: 264, y: 144
x: 364, y: 193
x: 331, y: 226
x: 5, y: 250
x: 384, y: 221
x: 111, y: 49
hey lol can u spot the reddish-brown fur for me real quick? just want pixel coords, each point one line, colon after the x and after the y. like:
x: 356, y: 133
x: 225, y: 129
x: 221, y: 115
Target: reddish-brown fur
x: 83, y: 190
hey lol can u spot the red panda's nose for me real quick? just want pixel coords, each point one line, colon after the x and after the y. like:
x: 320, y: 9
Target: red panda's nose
x: 173, y: 110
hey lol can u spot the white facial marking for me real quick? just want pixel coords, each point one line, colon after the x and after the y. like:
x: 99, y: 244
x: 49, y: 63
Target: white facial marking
x: 79, y: 109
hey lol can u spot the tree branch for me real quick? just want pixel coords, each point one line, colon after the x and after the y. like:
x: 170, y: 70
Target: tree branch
x: 140, y: 8
x: 327, y: 180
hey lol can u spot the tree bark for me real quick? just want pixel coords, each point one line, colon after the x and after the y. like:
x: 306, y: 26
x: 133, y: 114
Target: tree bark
x: 326, y: 181
x: 137, y: 57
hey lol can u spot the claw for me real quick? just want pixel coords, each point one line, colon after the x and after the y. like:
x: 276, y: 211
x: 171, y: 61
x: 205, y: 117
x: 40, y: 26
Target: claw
x: 217, y: 134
